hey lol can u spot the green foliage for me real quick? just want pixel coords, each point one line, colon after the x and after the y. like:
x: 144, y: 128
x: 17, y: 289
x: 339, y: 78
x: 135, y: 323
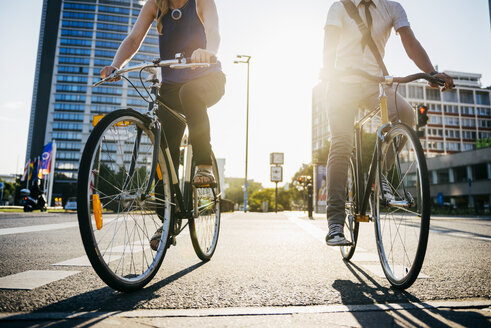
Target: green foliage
x: 8, y: 190
x: 235, y: 191
x: 268, y: 194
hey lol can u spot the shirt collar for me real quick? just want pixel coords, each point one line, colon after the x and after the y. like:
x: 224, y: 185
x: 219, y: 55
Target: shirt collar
x: 357, y: 2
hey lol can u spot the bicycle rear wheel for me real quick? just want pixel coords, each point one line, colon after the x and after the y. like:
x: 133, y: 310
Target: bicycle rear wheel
x: 351, y: 226
x: 116, y: 216
x: 402, y: 220
x: 204, y: 227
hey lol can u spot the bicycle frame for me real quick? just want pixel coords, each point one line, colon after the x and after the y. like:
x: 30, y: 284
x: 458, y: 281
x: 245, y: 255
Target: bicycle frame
x: 363, y: 188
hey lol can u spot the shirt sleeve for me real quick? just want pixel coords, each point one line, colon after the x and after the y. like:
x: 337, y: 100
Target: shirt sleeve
x: 335, y: 15
x: 399, y: 17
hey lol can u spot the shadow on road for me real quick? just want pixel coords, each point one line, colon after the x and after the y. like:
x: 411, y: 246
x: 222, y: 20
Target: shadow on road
x: 103, y: 300
x: 368, y: 291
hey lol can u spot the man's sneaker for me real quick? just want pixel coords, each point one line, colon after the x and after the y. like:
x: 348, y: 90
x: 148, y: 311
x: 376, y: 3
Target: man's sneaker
x: 387, y: 190
x: 335, y: 237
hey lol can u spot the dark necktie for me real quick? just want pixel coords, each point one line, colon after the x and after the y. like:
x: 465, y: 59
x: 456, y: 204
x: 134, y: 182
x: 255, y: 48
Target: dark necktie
x: 364, y: 40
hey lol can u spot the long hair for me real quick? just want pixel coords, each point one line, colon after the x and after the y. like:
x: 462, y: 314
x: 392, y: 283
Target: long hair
x: 163, y: 6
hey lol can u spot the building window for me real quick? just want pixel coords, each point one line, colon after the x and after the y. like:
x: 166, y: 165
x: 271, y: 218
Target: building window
x: 84, y: 16
x: 442, y: 176
x: 482, y: 97
x: 76, y: 42
x: 466, y: 96
x: 460, y: 174
x: 483, y: 111
x: 433, y: 94
x: 466, y: 110
x: 451, y: 109
x: 450, y: 96
x: 70, y: 107
x: 435, y: 108
x: 468, y: 122
x: 72, y: 78
x: 435, y: 120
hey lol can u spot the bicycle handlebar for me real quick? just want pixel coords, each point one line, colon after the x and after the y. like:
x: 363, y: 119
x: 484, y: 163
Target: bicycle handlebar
x: 403, y: 79
x: 178, y: 63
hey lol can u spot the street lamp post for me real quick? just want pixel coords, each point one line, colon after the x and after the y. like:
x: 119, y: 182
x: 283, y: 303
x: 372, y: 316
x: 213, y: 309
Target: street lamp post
x: 244, y: 59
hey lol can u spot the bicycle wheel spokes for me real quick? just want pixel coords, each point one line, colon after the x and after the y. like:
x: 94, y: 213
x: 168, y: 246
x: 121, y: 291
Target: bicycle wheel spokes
x: 205, y: 226
x: 121, y: 217
x: 402, y: 215
x: 351, y: 226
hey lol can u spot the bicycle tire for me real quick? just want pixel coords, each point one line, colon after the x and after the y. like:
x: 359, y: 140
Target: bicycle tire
x: 205, y: 228
x: 127, y: 220
x: 351, y: 226
x: 402, y: 231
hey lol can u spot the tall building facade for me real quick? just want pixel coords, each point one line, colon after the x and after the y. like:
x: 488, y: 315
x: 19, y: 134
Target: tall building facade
x: 457, y: 118
x: 77, y: 39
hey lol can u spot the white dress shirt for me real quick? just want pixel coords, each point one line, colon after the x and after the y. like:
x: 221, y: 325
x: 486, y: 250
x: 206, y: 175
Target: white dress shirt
x: 349, y: 53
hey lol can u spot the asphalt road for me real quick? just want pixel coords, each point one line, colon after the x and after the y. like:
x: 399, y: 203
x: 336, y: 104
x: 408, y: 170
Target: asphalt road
x: 262, y: 260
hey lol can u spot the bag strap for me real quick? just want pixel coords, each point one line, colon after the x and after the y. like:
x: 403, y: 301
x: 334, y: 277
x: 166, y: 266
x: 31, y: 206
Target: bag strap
x: 355, y: 15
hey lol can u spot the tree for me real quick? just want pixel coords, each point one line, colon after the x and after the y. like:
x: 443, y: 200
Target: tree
x: 298, y: 192
x: 235, y: 189
x: 268, y: 195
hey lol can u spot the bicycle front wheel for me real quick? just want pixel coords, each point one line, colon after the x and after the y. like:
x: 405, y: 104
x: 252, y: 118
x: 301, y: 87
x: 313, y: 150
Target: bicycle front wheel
x: 205, y: 225
x: 121, y: 203
x: 351, y: 226
x: 402, y: 206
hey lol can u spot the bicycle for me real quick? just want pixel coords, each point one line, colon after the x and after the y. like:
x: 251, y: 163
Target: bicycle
x: 128, y: 188
x: 398, y: 162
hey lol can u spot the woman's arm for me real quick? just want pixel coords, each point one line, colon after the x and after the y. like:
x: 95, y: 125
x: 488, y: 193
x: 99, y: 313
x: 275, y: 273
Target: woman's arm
x: 133, y: 41
x: 208, y: 14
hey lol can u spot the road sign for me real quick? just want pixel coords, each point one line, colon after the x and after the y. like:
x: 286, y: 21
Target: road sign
x: 276, y: 173
x: 276, y: 158
x: 1, y: 185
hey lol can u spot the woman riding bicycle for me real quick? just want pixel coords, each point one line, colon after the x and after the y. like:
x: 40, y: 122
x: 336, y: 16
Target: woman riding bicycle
x: 189, y: 27
x: 345, y: 48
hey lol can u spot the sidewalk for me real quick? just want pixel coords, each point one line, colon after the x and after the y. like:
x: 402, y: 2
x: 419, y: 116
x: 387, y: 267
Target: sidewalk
x: 473, y: 313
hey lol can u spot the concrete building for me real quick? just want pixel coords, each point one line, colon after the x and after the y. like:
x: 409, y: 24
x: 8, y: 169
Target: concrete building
x: 78, y: 38
x: 462, y: 179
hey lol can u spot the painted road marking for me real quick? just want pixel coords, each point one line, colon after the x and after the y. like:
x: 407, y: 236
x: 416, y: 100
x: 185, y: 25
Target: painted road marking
x: 36, y: 228
x: 33, y: 279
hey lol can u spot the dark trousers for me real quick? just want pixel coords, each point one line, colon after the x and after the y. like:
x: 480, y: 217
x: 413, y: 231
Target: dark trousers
x: 191, y: 99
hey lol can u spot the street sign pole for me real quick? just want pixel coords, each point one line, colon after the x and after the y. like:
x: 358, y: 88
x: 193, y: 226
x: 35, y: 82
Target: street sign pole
x: 275, y: 199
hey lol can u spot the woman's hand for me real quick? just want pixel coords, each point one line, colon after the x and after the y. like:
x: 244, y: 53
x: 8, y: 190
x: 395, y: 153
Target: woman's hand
x: 108, y: 70
x: 203, y: 56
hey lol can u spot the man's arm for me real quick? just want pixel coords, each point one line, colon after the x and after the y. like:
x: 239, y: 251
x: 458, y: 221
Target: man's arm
x: 208, y: 14
x: 418, y: 55
x: 331, y: 40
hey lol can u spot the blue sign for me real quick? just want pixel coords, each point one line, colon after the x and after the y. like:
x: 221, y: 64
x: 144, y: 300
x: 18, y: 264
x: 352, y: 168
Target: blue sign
x: 439, y: 198
x: 1, y: 185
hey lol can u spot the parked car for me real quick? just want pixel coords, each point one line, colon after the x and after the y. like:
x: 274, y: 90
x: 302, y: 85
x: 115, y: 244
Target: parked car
x: 71, y: 204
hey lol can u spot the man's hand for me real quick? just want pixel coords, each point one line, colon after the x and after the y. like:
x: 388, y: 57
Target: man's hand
x: 202, y: 56
x: 448, y: 82
x: 108, y: 70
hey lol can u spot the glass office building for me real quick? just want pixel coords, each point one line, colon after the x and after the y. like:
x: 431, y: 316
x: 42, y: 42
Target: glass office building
x: 77, y: 39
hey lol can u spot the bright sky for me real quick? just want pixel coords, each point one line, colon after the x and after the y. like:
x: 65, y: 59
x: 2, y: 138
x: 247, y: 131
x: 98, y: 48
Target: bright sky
x: 285, y: 40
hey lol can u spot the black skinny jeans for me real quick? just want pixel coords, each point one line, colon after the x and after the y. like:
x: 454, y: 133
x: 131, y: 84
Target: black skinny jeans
x: 191, y: 99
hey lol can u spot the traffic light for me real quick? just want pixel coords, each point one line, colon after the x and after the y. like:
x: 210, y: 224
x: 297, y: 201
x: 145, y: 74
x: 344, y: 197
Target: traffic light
x: 422, y: 115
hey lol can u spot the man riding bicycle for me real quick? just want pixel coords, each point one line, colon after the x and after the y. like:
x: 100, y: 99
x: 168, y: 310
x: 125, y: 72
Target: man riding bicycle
x: 351, y: 45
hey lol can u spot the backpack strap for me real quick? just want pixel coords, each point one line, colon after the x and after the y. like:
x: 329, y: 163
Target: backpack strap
x: 355, y: 15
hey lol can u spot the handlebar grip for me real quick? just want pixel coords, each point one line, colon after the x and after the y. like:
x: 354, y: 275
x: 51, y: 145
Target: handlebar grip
x: 439, y: 81
x: 213, y: 59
